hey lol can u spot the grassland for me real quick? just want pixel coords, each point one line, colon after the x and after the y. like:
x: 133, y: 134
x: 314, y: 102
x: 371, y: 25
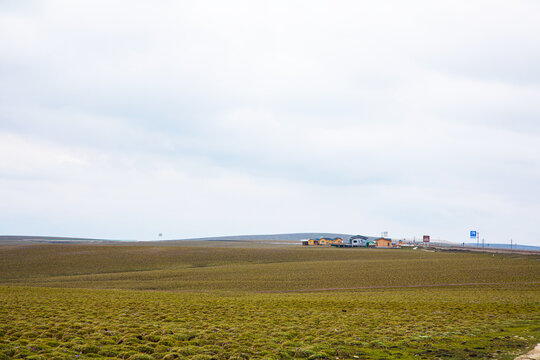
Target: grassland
x: 208, y: 302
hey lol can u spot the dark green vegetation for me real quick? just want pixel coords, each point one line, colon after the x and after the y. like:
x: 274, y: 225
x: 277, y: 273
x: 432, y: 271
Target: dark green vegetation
x: 63, y: 301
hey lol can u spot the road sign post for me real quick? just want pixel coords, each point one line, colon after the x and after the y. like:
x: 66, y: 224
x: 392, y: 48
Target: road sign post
x: 474, y: 235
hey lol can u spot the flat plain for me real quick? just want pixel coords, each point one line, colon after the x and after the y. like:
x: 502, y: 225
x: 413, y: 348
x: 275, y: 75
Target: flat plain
x: 241, y: 300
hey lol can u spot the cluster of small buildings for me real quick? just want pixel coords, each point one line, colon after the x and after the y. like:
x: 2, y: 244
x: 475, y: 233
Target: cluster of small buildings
x: 354, y: 241
x: 323, y: 241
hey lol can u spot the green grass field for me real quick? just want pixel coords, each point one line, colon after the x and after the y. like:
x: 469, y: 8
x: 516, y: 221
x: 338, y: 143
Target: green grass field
x: 218, y: 301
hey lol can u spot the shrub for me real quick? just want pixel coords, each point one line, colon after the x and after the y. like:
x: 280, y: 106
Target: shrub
x: 201, y: 357
x: 141, y: 357
x: 145, y: 349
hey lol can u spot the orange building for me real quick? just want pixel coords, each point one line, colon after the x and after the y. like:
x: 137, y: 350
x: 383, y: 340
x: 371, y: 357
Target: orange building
x: 383, y: 242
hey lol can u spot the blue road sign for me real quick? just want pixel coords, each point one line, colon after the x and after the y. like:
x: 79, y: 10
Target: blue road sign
x: 473, y: 233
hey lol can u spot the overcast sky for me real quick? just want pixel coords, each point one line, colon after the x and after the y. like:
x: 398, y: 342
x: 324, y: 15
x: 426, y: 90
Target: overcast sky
x: 124, y: 119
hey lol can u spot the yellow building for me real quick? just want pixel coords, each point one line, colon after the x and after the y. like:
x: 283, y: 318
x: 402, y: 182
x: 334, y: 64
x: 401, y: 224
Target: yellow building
x: 323, y: 241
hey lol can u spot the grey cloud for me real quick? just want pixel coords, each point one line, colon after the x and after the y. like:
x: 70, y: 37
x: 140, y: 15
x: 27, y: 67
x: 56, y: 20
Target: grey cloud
x: 174, y: 114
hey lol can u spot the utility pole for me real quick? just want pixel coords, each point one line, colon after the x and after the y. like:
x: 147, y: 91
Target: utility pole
x: 482, y: 243
x: 510, y: 244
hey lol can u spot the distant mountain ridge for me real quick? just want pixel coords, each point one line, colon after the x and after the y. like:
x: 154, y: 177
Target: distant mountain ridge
x: 282, y: 237
x: 276, y: 237
x: 50, y: 239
